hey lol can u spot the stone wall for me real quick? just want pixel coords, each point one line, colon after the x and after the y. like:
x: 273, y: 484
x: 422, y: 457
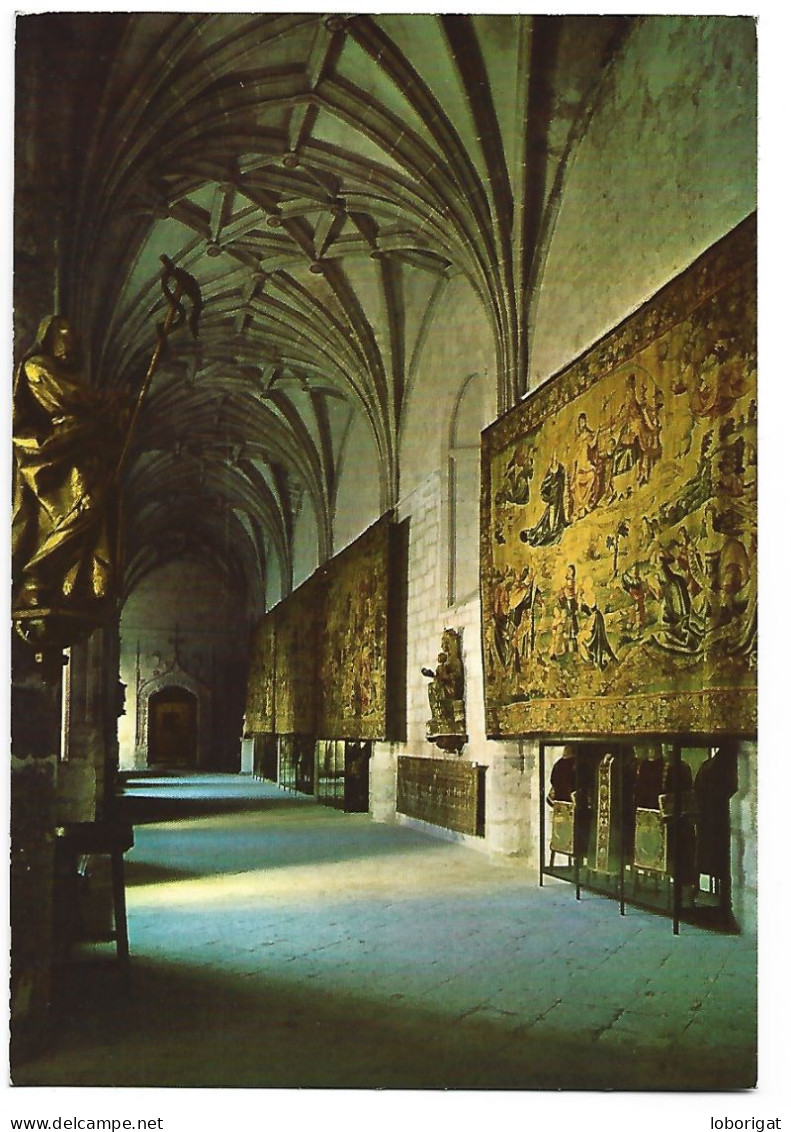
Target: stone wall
x: 161, y: 645
x: 510, y: 823
x: 665, y: 168
x: 441, y: 512
x: 306, y: 555
x: 360, y: 498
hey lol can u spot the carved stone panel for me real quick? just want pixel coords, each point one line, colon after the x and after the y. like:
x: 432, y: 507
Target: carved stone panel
x: 444, y: 792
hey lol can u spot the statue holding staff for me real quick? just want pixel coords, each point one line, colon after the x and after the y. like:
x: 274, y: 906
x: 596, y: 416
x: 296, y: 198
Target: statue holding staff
x: 66, y: 440
x: 70, y: 443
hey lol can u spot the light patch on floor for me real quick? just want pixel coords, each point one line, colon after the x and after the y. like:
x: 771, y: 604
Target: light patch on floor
x: 279, y: 944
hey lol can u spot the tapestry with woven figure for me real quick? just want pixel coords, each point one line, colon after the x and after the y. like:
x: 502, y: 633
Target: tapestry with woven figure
x: 619, y: 524
x: 353, y: 653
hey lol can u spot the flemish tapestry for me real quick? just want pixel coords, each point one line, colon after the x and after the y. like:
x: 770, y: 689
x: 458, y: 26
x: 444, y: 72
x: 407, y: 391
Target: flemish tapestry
x: 297, y: 622
x: 260, y: 709
x: 619, y: 524
x: 353, y: 664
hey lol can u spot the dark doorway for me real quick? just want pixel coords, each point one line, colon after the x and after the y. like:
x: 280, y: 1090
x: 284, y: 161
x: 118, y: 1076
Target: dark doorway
x: 173, y: 728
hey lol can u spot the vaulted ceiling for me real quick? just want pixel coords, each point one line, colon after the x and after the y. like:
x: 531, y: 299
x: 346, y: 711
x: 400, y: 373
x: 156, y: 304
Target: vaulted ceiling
x: 322, y: 177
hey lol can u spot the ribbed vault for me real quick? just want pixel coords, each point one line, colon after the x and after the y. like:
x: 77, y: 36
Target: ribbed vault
x: 321, y: 177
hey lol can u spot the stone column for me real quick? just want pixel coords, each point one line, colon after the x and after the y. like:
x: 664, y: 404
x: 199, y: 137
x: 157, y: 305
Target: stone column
x: 94, y: 695
x: 512, y: 800
x: 744, y: 840
x: 35, y: 705
x: 35, y: 745
x: 382, y: 781
x: 246, y: 757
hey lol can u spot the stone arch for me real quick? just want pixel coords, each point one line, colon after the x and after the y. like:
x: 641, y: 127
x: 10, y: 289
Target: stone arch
x: 173, y: 728
x: 183, y: 681
x: 462, y: 486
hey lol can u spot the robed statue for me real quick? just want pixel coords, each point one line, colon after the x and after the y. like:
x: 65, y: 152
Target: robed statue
x: 67, y: 436
x: 447, y: 726
x: 70, y: 442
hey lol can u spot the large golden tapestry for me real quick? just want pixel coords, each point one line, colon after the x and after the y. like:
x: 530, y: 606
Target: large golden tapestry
x: 260, y: 709
x: 354, y: 648
x: 619, y: 524
x: 297, y: 625
x: 319, y: 659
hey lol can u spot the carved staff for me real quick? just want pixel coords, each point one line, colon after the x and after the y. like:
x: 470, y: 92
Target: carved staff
x: 184, y: 286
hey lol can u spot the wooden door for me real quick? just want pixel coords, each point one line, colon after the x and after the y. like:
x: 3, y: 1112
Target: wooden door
x: 173, y: 728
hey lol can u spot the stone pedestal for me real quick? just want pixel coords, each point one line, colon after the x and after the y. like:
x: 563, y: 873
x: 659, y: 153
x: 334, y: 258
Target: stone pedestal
x: 744, y: 840
x: 382, y: 782
x: 246, y: 758
x: 511, y: 812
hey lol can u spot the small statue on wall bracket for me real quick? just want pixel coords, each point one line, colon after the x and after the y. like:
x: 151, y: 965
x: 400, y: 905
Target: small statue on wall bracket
x: 448, y: 724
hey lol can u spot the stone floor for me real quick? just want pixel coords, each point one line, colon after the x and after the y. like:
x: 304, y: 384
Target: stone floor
x: 277, y: 943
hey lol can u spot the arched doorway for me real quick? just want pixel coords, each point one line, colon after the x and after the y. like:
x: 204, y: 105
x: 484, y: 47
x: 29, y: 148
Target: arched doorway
x: 173, y: 728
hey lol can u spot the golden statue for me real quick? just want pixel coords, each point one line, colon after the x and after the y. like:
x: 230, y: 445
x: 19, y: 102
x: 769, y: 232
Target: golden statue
x: 67, y: 436
x: 71, y: 442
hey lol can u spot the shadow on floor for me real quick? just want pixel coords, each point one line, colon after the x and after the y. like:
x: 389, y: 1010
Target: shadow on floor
x: 148, y: 872
x: 223, y: 837
x: 145, y: 810
x: 255, y: 1033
